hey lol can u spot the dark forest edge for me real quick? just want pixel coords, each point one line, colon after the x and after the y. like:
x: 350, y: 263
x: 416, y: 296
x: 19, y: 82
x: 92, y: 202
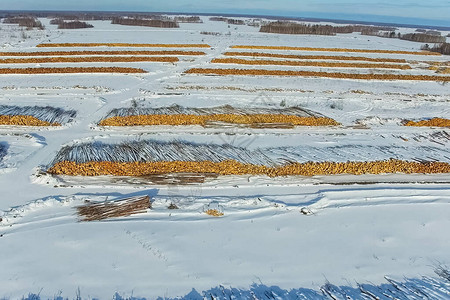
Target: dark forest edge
x: 283, y: 27
x: 443, y: 48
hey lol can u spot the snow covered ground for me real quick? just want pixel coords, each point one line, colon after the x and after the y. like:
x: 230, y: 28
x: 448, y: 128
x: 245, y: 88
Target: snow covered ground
x: 290, y: 233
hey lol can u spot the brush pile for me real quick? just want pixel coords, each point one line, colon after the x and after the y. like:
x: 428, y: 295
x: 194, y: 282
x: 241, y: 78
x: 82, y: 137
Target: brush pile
x: 178, y: 115
x: 35, y: 115
x: 308, y: 63
x: 259, y: 72
x: 89, y: 53
x: 335, y: 50
x: 123, y: 45
x: 73, y: 70
x: 114, y: 209
x: 435, y: 122
x: 314, y: 57
x: 43, y: 60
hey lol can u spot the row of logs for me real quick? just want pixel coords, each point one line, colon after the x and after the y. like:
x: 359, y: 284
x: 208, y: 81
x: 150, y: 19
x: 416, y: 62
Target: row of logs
x: 94, y: 59
x: 88, y: 53
x: 182, y: 119
x: 335, y: 50
x: 254, y: 72
x: 322, y: 57
x: 435, y: 122
x: 232, y: 167
x: 70, y: 70
x: 22, y: 120
x: 46, y: 45
x: 324, y: 64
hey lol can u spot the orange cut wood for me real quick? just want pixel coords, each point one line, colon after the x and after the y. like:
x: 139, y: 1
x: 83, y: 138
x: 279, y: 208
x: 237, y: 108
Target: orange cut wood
x: 123, y: 45
x: 23, y: 120
x: 89, y: 53
x: 315, y: 57
x: 43, y: 60
x: 335, y: 50
x: 260, y: 72
x: 233, y: 167
x: 181, y: 119
x: 70, y: 70
x: 435, y: 122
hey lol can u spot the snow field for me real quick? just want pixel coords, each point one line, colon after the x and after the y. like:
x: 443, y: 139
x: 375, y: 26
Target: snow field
x: 286, y: 232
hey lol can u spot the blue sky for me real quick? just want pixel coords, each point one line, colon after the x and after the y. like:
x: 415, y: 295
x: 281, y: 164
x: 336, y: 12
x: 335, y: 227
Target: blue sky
x: 433, y: 11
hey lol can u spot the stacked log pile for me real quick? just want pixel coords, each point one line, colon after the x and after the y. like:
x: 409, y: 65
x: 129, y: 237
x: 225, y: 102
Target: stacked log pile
x: 233, y: 167
x: 335, y: 50
x: 179, y: 115
x: 181, y: 119
x: 123, y: 45
x: 88, y: 59
x: 70, y: 70
x: 23, y: 120
x: 435, y: 122
x: 89, y: 53
x: 321, y: 57
x: 255, y: 72
x: 35, y: 115
x: 309, y: 63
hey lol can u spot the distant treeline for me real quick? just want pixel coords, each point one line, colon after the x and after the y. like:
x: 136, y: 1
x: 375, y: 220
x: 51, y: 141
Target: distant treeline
x: 443, y: 48
x: 430, y: 32
x: 218, y: 19
x: 316, y: 29
x: 81, y: 17
x: 422, y: 38
x: 228, y: 20
x: 145, y: 22
x: 188, y: 19
x: 286, y: 27
x: 235, y: 22
x: 24, y: 21
x: 426, y: 37
x: 146, y: 16
x: 70, y: 25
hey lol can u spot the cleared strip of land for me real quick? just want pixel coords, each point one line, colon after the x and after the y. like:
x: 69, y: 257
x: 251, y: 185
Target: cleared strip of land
x: 311, y: 57
x: 106, y: 53
x: 232, y: 167
x: 335, y: 50
x: 309, y: 63
x: 70, y: 70
x: 260, y: 72
x: 41, y: 60
x: 123, y: 45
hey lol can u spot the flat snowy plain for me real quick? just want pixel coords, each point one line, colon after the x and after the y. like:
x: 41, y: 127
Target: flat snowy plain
x: 286, y: 232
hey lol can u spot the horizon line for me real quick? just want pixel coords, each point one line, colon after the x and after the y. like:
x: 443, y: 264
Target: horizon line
x: 257, y: 15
